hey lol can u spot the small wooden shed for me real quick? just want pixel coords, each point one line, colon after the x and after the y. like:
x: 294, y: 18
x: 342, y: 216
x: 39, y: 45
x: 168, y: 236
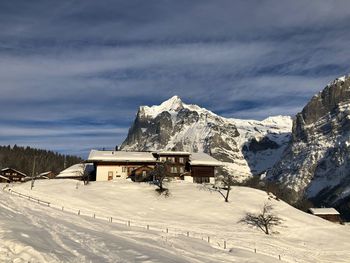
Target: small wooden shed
x: 141, y: 174
x: 330, y: 214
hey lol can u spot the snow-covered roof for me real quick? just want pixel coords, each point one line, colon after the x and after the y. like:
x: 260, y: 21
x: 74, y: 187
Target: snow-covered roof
x: 323, y: 211
x: 172, y: 153
x: 3, y: 177
x: 75, y: 170
x: 7, y: 168
x: 45, y: 173
x: 120, y: 156
x: 204, y: 159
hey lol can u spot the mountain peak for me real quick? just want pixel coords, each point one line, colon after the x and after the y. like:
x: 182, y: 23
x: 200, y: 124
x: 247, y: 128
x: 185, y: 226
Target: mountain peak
x: 173, y: 104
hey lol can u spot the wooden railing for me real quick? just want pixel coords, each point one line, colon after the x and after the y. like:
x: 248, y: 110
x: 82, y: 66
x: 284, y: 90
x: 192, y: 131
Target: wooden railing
x: 30, y: 198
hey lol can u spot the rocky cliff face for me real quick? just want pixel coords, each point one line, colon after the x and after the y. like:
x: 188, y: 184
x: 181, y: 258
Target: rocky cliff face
x: 316, y: 165
x: 245, y: 146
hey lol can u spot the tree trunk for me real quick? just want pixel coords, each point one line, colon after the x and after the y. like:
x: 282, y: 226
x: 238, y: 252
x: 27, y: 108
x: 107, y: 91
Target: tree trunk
x: 227, y: 194
x: 266, y: 229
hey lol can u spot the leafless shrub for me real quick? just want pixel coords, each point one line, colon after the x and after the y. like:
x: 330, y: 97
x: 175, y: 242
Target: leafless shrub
x: 265, y: 220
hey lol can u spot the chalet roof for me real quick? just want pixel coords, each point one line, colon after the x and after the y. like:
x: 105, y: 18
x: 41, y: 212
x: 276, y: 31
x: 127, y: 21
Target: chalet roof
x: 204, y: 159
x: 7, y: 168
x: 3, y: 177
x: 172, y: 153
x: 323, y: 211
x: 120, y: 156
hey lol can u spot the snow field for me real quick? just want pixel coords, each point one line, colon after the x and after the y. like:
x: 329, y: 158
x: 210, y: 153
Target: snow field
x: 194, y: 209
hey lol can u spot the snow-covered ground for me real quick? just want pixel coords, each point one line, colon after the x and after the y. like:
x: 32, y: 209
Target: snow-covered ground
x: 37, y: 233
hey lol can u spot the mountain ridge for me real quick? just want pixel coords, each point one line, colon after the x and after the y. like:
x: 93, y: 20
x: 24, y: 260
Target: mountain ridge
x: 175, y: 125
x: 316, y: 165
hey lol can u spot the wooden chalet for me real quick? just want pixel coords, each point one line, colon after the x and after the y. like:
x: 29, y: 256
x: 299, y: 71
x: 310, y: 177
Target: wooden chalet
x: 177, y: 162
x: 330, y: 214
x: 41, y: 176
x: 11, y: 175
x: 192, y: 167
x: 203, y: 167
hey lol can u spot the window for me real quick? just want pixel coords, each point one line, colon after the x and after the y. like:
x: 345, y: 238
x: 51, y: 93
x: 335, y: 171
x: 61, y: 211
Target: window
x: 173, y: 169
x: 144, y: 173
x: 124, y: 169
x: 201, y: 180
x: 181, y: 160
x: 181, y: 169
x: 171, y: 159
x: 162, y: 159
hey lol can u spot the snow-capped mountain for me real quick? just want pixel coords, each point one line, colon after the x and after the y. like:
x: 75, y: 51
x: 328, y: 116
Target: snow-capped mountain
x: 316, y: 165
x: 245, y: 146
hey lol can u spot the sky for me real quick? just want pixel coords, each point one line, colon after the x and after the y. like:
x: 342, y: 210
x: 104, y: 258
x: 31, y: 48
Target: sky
x: 73, y: 73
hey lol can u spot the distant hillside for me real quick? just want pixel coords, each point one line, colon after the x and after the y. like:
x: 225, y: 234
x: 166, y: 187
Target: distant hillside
x: 21, y: 158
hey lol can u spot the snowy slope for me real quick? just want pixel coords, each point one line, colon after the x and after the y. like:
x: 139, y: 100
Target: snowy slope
x: 174, y: 125
x: 300, y: 238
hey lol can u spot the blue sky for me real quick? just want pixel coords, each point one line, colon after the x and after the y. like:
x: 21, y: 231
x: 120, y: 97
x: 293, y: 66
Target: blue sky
x: 73, y: 73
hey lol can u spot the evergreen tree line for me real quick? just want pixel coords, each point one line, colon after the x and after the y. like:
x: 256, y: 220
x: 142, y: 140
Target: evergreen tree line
x: 22, y: 159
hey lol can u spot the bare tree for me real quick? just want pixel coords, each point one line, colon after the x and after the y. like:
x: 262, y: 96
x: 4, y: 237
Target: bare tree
x: 228, y: 181
x: 265, y: 220
x: 159, y: 174
x: 83, y: 173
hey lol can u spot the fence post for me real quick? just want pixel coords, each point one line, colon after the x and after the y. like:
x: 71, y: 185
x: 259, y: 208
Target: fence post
x: 111, y: 219
x: 208, y: 239
x: 279, y: 257
x: 254, y: 250
x: 62, y: 208
x: 147, y: 227
x: 128, y: 223
x: 167, y: 230
x: 94, y: 216
x: 78, y: 212
x: 188, y: 234
x: 224, y: 244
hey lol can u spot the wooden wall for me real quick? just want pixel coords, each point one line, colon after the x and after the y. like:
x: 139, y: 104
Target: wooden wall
x: 202, y: 171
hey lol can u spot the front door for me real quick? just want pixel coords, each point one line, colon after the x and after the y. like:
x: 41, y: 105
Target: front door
x: 110, y: 175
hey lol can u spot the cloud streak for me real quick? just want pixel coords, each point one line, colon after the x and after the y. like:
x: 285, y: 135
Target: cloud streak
x: 63, y: 64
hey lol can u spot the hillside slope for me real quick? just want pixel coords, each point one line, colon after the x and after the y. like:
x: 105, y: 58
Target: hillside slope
x: 193, y: 208
x: 245, y: 146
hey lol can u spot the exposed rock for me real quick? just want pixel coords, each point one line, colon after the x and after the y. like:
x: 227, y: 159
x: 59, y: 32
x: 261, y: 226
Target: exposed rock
x: 174, y: 125
x: 316, y: 165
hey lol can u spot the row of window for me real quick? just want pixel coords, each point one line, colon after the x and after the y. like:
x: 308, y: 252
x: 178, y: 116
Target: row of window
x: 171, y: 159
x: 175, y: 169
x: 201, y: 180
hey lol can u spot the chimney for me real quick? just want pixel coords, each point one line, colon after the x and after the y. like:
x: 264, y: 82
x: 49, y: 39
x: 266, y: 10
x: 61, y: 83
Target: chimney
x: 116, y: 148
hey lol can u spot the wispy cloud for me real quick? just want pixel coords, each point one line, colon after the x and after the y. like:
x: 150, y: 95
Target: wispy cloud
x: 66, y: 63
